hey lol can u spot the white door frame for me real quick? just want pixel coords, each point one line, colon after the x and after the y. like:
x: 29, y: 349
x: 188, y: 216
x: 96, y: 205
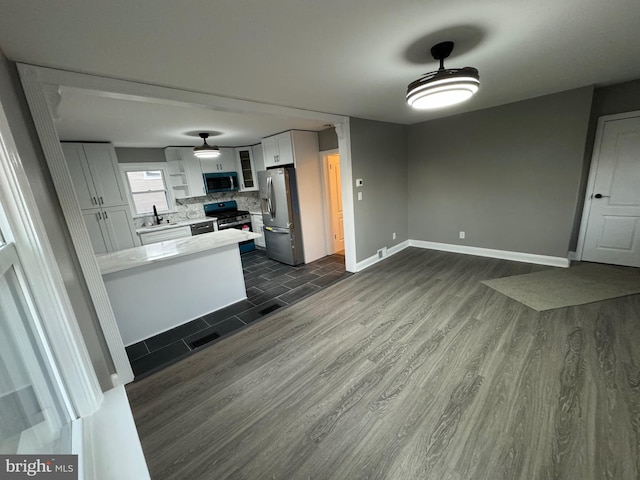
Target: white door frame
x: 42, y: 88
x: 593, y: 169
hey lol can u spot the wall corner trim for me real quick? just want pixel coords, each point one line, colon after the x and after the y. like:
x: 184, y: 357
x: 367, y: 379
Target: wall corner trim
x: 489, y: 252
x: 373, y: 259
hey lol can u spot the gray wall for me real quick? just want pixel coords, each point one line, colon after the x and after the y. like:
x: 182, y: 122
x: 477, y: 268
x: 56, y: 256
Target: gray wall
x: 23, y: 131
x: 379, y: 157
x: 508, y: 176
x: 327, y: 139
x: 140, y: 155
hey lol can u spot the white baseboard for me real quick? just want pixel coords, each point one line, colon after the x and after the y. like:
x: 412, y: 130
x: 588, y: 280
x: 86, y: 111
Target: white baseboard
x: 373, y: 259
x: 488, y: 252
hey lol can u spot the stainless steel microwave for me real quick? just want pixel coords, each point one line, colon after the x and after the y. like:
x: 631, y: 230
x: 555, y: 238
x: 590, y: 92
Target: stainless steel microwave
x: 220, y: 182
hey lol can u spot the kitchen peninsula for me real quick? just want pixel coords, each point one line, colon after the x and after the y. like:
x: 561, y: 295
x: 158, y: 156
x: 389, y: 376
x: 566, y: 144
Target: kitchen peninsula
x: 156, y: 287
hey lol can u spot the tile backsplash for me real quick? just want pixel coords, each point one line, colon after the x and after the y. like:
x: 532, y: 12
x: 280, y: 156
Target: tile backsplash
x: 191, y: 208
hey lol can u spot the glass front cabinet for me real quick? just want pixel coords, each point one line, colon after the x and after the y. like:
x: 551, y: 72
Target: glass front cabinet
x: 246, y: 169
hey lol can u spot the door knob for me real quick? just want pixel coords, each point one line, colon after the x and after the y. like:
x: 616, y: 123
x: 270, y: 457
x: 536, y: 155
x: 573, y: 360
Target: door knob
x: 599, y: 195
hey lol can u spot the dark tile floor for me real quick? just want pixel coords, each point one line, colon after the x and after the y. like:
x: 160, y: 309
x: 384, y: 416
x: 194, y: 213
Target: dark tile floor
x: 270, y: 286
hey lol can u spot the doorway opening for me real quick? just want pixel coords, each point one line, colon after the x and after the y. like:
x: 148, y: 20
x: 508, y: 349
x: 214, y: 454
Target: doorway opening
x: 333, y: 203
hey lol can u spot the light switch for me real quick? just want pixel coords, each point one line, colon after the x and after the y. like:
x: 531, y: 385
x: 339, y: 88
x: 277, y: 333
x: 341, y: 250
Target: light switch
x: 359, y: 183
x: 359, y: 195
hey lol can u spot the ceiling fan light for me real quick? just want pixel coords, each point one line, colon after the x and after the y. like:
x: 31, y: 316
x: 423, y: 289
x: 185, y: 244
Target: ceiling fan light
x: 441, y: 99
x: 443, y: 88
x: 205, y: 150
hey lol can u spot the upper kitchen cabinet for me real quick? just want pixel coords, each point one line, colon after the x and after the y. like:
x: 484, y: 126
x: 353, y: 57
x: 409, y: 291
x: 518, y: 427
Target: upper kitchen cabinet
x: 95, y: 175
x: 185, y: 173
x: 226, y: 162
x: 246, y: 169
x: 258, y: 157
x: 277, y: 150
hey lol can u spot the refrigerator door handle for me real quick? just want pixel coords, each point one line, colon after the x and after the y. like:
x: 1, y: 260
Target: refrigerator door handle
x: 269, y: 195
x: 278, y: 230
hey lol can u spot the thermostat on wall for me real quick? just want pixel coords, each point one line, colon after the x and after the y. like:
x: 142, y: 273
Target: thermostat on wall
x: 358, y: 182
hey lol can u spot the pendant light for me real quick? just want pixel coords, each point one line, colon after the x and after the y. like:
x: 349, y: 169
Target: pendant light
x: 205, y: 150
x: 445, y: 86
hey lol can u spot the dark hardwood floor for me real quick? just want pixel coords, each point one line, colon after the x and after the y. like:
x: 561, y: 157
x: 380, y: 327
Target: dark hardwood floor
x: 411, y: 369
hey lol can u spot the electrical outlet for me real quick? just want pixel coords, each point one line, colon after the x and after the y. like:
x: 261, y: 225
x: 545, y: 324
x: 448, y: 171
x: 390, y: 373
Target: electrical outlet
x: 394, y: 235
x: 462, y: 234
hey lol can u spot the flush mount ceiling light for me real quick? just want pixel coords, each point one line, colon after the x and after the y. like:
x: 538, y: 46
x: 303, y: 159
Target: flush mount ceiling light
x: 205, y: 150
x: 445, y: 86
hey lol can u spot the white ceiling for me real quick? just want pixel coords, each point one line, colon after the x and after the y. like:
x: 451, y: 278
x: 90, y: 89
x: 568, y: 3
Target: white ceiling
x: 351, y: 57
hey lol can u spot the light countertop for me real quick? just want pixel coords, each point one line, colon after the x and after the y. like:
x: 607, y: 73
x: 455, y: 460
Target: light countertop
x: 167, y: 226
x: 157, y: 252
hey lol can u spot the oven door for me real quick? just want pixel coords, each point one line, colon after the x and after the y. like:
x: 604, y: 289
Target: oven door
x: 245, y: 226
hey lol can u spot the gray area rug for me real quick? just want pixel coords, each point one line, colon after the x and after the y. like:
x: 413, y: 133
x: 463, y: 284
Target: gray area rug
x: 577, y: 285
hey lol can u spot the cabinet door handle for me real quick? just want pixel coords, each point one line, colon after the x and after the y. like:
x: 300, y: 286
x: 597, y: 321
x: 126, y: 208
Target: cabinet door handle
x: 101, y: 201
x: 94, y: 201
x: 105, y: 215
x: 99, y: 216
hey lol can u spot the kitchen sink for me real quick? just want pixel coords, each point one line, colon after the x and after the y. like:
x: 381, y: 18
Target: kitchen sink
x: 162, y: 225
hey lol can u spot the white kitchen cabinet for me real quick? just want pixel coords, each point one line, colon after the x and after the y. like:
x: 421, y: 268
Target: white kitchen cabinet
x: 97, y: 230
x: 277, y: 150
x: 246, y: 169
x: 110, y: 228
x: 100, y: 191
x: 257, y: 226
x: 120, y: 227
x: 185, y: 172
x: 310, y: 194
x: 95, y: 174
x: 165, y: 234
x: 258, y: 157
x: 226, y: 162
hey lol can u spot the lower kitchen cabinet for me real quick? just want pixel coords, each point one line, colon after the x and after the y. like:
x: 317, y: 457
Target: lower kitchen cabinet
x: 165, y: 234
x: 257, y: 226
x: 110, y: 229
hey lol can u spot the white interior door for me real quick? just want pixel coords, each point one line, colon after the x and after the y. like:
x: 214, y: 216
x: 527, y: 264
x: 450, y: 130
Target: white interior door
x: 612, y: 233
x: 335, y: 193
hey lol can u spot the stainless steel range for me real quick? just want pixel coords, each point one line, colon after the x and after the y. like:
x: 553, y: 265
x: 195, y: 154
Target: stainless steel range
x: 228, y: 216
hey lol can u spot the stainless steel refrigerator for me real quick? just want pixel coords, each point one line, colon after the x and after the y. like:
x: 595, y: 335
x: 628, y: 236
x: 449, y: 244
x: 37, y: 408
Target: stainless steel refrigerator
x: 281, y: 215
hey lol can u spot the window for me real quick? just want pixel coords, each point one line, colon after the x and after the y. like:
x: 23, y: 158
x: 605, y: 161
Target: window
x: 148, y: 188
x: 33, y: 415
